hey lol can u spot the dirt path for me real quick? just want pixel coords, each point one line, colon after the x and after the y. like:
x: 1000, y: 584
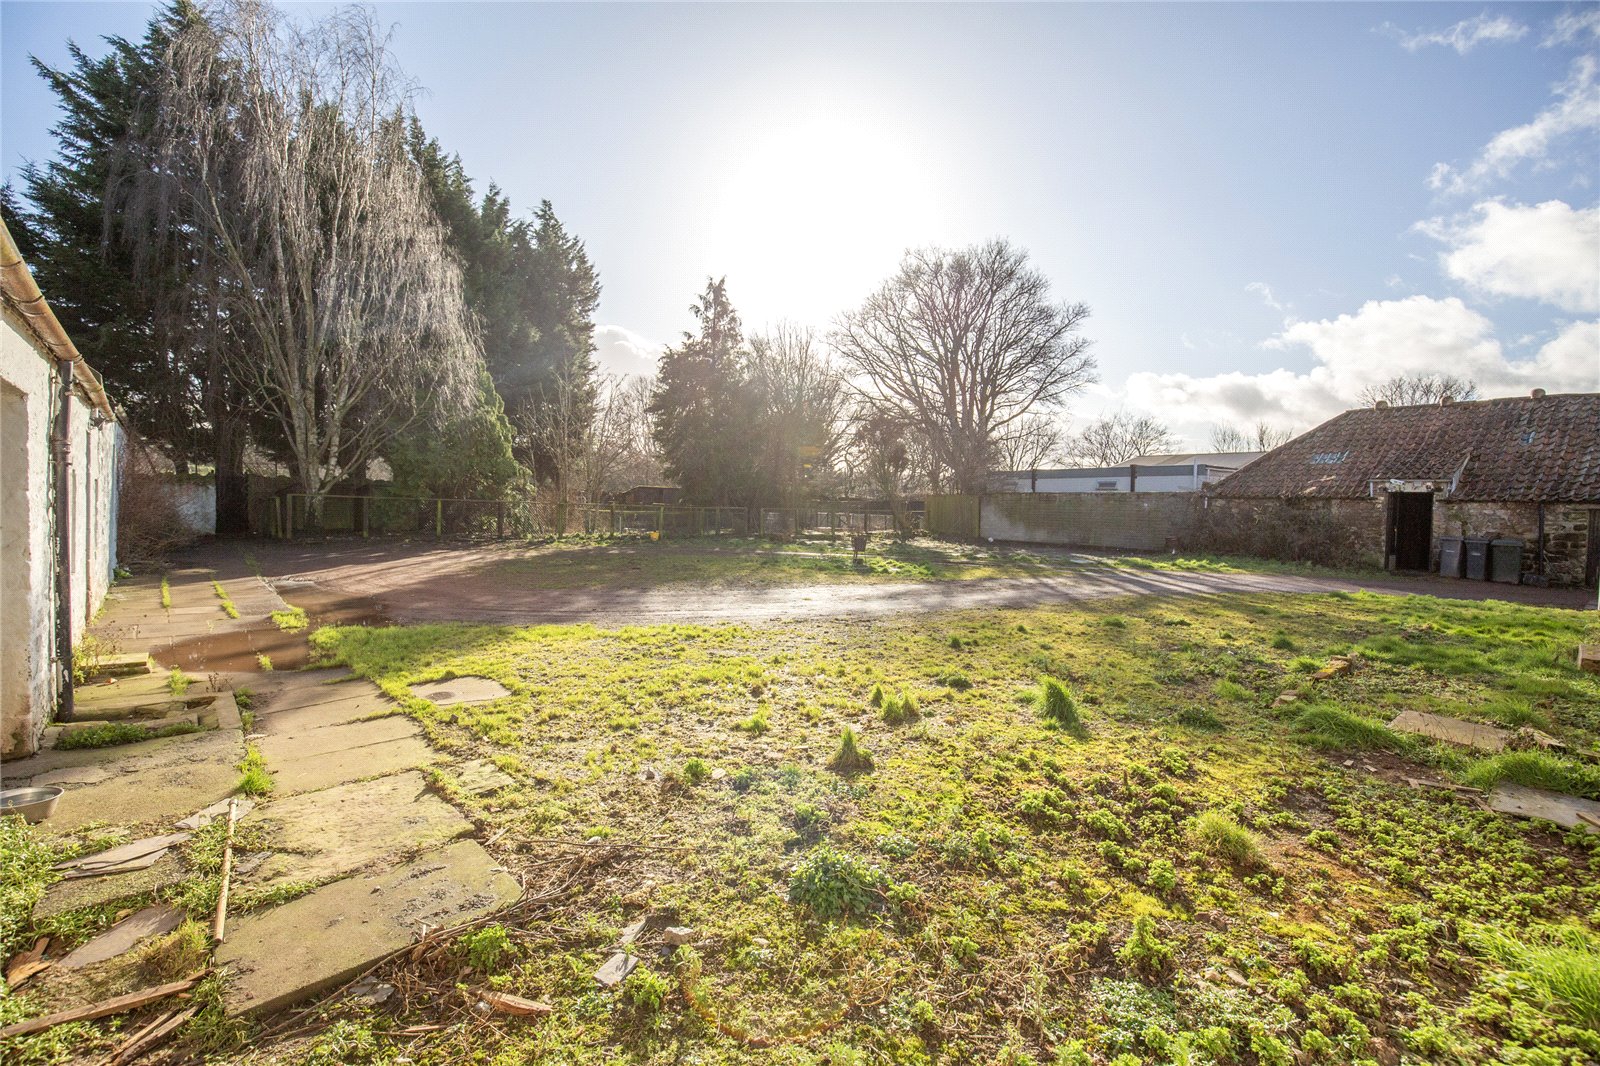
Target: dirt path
x: 425, y: 583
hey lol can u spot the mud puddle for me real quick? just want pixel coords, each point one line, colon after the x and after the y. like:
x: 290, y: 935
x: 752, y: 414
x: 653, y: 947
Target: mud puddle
x: 241, y: 650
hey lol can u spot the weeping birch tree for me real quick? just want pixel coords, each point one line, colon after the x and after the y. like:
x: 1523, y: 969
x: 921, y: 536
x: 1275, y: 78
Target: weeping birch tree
x: 280, y: 148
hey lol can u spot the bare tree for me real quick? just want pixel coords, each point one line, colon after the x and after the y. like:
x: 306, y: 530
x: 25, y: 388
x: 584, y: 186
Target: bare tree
x: 1227, y: 437
x: 1032, y: 442
x: 1112, y: 440
x: 803, y: 404
x: 280, y: 149
x: 1406, y: 390
x: 961, y: 345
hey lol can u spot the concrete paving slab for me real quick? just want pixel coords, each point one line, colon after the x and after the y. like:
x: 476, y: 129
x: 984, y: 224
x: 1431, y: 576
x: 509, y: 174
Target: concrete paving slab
x: 480, y: 777
x: 307, y: 743
x: 337, y: 831
x: 124, y: 858
x: 293, y: 773
x: 1451, y: 730
x: 324, y: 715
x: 125, y: 936
x: 326, y: 937
x: 460, y: 690
x: 152, y: 781
x: 1524, y: 802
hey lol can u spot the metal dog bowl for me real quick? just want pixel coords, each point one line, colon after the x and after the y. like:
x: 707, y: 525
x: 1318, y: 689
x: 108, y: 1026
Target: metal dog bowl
x: 34, y: 804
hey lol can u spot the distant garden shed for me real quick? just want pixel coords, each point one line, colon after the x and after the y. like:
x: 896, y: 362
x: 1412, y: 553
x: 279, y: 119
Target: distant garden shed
x: 1383, y: 485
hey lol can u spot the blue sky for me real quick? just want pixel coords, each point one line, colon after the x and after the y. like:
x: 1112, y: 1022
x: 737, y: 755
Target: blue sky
x: 1266, y: 206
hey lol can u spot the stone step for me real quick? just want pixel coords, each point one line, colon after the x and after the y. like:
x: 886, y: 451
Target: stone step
x: 128, y: 665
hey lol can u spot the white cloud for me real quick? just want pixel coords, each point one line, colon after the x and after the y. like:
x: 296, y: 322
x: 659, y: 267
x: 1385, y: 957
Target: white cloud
x: 1548, y: 252
x: 1572, y: 26
x: 621, y: 351
x: 1464, y: 36
x: 1418, y: 334
x: 1263, y: 290
x: 1576, y: 109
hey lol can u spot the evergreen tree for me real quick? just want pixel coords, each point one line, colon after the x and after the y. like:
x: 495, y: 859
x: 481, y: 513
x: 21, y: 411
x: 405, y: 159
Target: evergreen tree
x: 705, y: 407
x: 135, y: 319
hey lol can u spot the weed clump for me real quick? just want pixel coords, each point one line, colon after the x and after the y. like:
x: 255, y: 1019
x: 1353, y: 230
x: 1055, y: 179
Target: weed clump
x: 876, y: 697
x: 850, y: 758
x: 1145, y: 952
x: 645, y: 992
x: 177, y: 683
x: 1225, y: 838
x: 897, y: 710
x: 836, y: 884
x: 254, y: 779
x: 1058, y: 706
x: 291, y: 621
x: 486, y: 948
x: 695, y: 771
x: 111, y: 734
x: 176, y: 955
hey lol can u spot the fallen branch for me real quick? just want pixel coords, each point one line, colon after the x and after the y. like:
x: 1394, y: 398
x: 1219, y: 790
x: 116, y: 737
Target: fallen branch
x: 151, y: 1035
x: 25, y: 964
x: 105, y: 1008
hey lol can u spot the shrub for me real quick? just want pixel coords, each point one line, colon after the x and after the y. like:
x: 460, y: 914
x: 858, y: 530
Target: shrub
x: 1222, y: 836
x: 1162, y: 877
x: 849, y: 758
x: 1058, y: 706
x: 835, y: 884
x: 486, y: 948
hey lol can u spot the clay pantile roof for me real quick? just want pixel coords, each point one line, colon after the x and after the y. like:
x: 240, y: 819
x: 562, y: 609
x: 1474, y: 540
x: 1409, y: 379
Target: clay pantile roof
x: 1522, y: 448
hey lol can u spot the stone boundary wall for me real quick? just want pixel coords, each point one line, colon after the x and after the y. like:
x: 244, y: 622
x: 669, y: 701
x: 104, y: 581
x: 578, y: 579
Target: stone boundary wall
x: 1133, y: 521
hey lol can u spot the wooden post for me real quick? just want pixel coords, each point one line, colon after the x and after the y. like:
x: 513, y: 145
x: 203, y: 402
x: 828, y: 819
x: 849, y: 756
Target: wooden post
x: 500, y: 520
x: 438, y: 519
x: 289, y: 527
x: 661, y: 520
x: 613, y: 525
x: 219, y: 924
x: 366, y: 516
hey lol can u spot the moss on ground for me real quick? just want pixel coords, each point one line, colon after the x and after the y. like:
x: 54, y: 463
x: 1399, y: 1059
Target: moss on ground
x: 995, y: 889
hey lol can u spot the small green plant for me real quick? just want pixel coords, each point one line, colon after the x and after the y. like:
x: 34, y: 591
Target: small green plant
x: 953, y: 679
x: 1230, y: 690
x: 742, y: 779
x: 1145, y: 952
x: 1225, y: 838
x: 875, y: 698
x: 487, y: 948
x: 166, y: 593
x: 86, y: 658
x: 242, y: 698
x: 645, y: 992
x: 227, y: 604
x: 254, y: 779
x: 756, y: 724
x: 1058, y: 706
x: 809, y: 820
x: 1336, y: 729
x: 1162, y: 877
x: 292, y: 620
x: 695, y: 771
x: 836, y: 884
x: 264, y: 661
x: 177, y: 682
x: 1199, y: 718
x: 1283, y: 642
x: 850, y: 758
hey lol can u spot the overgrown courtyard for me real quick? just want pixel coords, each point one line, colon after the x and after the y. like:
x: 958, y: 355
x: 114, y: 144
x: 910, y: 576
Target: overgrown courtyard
x: 1086, y: 835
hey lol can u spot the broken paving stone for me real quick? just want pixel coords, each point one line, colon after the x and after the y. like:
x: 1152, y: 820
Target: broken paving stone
x: 124, y: 858
x: 201, y: 819
x: 124, y: 936
x: 1568, y: 811
x: 1451, y: 730
x: 1527, y: 738
x: 616, y: 969
x: 84, y: 892
x: 460, y: 690
x: 679, y: 934
x: 631, y: 933
x: 480, y: 777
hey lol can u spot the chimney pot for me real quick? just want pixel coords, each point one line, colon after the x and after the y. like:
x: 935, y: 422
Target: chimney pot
x: 1381, y: 404
x: 1537, y: 394
x: 1446, y: 400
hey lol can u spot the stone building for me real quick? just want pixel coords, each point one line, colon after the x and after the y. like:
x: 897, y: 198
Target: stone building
x: 59, y: 456
x: 1383, y: 485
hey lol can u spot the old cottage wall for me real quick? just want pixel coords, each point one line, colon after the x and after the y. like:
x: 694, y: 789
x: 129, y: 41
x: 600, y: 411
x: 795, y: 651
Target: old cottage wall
x: 28, y: 395
x: 1336, y: 532
x: 1566, y: 533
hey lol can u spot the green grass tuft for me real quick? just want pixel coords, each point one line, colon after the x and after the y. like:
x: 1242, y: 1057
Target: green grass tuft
x: 1220, y: 835
x: 291, y: 621
x: 1336, y: 729
x: 254, y: 779
x: 1535, y: 769
x: 1058, y: 706
x: 1561, y: 963
x: 112, y: 734
x: 851, y: 757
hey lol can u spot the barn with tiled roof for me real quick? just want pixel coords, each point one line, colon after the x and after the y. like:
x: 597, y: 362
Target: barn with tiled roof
x: 1398, y: 484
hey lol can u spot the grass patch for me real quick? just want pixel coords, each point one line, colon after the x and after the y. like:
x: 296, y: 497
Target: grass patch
x: 227, y: 604
x: 1058, y: 706
x: 166, y: 593
x: 1535, y: 769
x: 177, y: 682
x: 1218, y: 834
x: 112, y: 734
x: 1336, y: 729
x: 850, y: 758
x: 1560, y: 965
x: 176, y: 955
x: 292, y: 620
